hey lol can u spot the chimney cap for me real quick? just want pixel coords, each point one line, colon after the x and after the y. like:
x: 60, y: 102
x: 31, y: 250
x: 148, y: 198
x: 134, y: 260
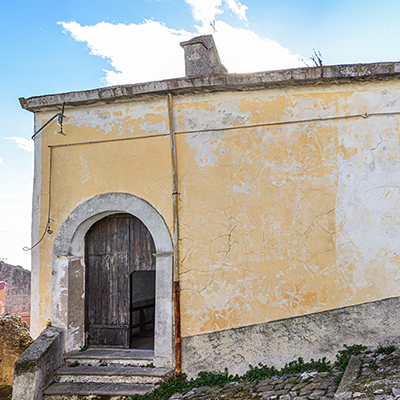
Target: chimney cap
x: 201, y: 57
x: 206, y: 40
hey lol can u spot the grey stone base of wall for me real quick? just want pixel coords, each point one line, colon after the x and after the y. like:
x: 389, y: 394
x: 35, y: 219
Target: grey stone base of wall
x: 34, y: 370
x: 278, y: 342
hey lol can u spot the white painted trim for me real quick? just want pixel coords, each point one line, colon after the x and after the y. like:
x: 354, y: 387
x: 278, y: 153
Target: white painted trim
x: 69, y: 266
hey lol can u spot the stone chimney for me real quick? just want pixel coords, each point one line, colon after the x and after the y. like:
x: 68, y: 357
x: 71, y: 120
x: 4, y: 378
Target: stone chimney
x: 201, y: 57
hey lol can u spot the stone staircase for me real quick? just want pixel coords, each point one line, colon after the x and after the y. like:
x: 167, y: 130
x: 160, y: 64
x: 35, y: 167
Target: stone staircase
x: 106, y: 374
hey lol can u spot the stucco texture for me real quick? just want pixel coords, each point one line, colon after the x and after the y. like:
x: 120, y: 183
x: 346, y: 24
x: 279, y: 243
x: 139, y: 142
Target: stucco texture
x: 288, y: 198
x: 291, y: 218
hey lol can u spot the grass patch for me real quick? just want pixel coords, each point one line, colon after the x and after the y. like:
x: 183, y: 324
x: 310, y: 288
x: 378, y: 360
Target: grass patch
x: 338, y: 379
x: 343, y: 356
x: 205, y: 378
x: 385, y: 350
x: 373, y: 366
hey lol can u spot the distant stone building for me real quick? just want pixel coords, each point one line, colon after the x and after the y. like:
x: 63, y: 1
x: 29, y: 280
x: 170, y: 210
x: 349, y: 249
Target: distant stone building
x: 15, y: 291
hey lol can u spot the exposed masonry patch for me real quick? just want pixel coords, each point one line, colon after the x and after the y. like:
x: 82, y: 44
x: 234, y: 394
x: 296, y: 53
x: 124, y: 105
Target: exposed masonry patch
x: 229, y: 82
x: 69, y: 266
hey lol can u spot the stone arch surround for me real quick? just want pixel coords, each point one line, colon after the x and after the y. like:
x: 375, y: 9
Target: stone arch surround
x: 68, y: 271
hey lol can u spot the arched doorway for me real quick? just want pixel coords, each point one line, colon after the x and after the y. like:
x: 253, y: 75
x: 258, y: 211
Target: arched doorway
x: 120, y: 283
x: 69, y: 270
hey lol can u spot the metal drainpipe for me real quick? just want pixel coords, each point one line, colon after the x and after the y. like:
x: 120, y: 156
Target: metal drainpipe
x: 177, y: 300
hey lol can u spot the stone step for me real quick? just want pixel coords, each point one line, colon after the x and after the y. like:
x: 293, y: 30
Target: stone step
x: 111, y: 357
x: 107, y: 374
x: 114, y: 391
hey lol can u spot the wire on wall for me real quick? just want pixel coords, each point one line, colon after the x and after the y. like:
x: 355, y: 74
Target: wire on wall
x: 60, y: 117
x: 47, y: 227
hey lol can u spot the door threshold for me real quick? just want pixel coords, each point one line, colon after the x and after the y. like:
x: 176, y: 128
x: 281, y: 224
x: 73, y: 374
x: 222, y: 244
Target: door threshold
x: 110, y: 353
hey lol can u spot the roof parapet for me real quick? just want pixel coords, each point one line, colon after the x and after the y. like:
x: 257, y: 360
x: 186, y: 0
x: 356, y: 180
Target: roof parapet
x: 326, y: 75
x: 201, y: 57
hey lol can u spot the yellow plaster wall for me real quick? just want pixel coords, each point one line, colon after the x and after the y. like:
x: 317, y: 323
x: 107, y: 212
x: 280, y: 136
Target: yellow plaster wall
x: 258, y: 237
x: 292, y: 208
x: 288, y: 197
x: 140, y: 166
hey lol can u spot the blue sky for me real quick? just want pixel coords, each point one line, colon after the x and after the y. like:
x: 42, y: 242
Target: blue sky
x: 49, y: 47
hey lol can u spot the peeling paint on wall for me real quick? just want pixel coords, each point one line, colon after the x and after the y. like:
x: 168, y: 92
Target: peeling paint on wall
x: 289, y: 197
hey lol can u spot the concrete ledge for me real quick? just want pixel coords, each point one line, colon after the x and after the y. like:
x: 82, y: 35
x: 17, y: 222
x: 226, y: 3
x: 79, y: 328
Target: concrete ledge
x: 34, y: 370
x: 73, y: 391
x: 345, y: 388
x: 275, y: 343
x: 112, y: 374
x: 219, y: 82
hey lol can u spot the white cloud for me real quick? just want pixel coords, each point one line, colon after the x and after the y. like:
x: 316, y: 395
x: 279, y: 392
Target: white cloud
x: 150, y: 50
x: 204, y: 11
x: 238, y: 8
x: 22, y: 143
x: 139, y: 52
x: 242, y: 50
x: 1, y: 160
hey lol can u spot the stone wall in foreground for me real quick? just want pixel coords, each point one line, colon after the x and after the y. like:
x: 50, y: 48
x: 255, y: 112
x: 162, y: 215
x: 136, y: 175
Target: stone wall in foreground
x: 14, y: 340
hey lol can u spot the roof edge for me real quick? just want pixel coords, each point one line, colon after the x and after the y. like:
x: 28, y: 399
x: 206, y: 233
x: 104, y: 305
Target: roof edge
x: 222, y: 82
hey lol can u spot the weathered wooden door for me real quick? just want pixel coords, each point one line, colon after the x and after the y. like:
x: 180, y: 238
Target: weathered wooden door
x: 115, y: 247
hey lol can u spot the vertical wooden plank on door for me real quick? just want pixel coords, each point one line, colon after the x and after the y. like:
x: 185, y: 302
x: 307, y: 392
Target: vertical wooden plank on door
x: 116, y: 247
x: 107, y: 282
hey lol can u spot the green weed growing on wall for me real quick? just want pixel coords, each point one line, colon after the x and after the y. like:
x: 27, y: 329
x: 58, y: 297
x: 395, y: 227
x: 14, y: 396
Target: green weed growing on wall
x: 205, y: 378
